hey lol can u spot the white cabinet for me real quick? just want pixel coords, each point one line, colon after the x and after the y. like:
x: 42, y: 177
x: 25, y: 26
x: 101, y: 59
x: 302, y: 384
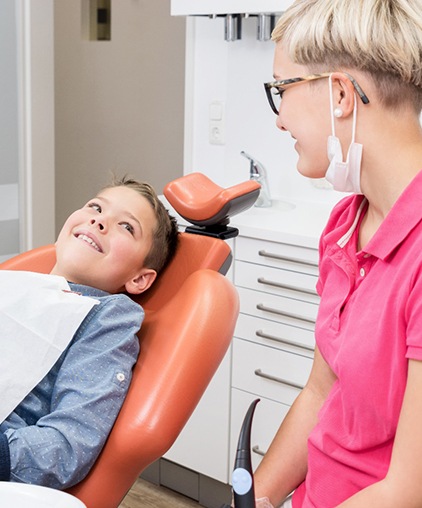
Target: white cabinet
x: 269, y: 372
x: 274, y: 337
x: 210, y: 7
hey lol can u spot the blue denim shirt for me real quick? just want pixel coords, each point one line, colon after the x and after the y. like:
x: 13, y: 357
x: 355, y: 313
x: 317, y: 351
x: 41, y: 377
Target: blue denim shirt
x: 56, y: 433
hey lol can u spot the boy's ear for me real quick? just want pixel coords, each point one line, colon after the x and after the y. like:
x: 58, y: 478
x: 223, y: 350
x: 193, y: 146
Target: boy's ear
x: 141, y: 282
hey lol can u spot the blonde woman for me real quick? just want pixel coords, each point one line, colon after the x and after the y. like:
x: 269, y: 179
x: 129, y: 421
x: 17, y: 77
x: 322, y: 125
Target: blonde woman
x: 350, y: 77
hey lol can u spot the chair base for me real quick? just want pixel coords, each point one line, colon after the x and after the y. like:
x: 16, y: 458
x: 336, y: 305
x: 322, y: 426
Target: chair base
x: 217, y: 231
x: 208, y: 492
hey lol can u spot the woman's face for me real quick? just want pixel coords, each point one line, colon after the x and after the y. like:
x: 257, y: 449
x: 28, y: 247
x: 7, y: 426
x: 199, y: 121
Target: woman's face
x: 304, y: 113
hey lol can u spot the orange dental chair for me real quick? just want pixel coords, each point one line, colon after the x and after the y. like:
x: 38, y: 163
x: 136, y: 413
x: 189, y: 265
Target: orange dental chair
x: 190, y: 315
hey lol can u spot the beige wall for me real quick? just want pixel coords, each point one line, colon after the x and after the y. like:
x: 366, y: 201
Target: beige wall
x: 118, y: 104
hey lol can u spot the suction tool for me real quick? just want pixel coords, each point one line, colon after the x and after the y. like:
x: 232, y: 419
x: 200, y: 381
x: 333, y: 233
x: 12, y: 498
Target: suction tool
x: 242, y: 477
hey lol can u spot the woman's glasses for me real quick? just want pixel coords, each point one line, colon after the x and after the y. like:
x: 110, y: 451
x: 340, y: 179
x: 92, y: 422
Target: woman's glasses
x: 275, y: 89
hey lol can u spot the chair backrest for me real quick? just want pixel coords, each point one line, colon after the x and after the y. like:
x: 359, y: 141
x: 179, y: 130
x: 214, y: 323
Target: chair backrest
x: 191, y: 311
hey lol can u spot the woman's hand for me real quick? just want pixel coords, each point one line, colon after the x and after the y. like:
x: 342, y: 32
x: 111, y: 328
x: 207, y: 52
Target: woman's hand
x: 263, y: 502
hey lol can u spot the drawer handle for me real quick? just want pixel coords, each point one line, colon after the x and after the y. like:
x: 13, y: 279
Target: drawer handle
x: 263, y: 280
x: 261, y: 333
x: 271, y: 255
x: 258, y: 372
x: 261, y: 306
x: 258, y: 451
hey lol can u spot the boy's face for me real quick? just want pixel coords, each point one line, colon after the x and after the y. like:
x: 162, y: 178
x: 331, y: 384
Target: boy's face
x: 104, y: 244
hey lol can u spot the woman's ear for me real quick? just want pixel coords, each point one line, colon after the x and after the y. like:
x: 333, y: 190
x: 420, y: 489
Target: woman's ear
x: 343, y: 93
x: 141, y: 282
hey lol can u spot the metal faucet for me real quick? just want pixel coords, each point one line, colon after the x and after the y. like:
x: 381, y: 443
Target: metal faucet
x: 257, y: 172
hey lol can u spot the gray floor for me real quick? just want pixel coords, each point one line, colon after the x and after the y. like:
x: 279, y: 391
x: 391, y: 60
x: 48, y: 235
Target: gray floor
x: 145, y: 494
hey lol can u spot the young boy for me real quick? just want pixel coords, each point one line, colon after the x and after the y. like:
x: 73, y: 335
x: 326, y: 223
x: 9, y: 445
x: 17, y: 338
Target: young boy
x: 117, y: 243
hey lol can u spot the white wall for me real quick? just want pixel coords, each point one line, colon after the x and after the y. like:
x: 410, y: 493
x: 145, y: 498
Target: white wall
x: 119, y: 103
x: 234, y: 73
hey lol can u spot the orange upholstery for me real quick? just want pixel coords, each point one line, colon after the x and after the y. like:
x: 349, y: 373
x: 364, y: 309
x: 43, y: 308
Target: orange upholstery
x: 202, y: 202
x: 191, y: 312
x: 36, y: 260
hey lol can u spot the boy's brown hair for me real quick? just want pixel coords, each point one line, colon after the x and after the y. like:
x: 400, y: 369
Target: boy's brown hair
x: 166, y: 235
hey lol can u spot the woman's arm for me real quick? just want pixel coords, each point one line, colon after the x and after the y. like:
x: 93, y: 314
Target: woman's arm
x: 403, y: 484
x: 284, y: 466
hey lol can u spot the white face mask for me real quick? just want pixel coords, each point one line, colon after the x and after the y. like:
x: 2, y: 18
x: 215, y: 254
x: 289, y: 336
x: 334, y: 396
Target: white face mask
x: 344, y: 176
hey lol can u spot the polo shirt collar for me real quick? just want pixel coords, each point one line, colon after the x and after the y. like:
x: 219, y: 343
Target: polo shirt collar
x: 403, y: 217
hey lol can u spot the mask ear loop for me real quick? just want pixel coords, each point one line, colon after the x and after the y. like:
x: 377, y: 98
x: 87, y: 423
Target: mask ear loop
x: 333, y: 129
x: 355, y: 107
x: 330, y: 87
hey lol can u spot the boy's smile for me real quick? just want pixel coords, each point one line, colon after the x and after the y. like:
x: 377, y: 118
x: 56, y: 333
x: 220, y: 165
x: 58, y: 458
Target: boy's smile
x: 89, y: 239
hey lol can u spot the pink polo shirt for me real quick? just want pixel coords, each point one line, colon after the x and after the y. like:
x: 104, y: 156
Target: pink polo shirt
x: 369, y: 325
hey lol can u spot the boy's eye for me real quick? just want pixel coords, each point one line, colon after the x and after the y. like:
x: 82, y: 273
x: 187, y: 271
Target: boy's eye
x: 128, y: 227
x: 95, y: 206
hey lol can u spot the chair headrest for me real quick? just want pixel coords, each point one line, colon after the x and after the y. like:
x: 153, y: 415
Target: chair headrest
x: 203, y: 203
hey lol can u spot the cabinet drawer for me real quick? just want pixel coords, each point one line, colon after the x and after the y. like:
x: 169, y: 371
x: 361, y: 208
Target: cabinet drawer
x: 278, y: 308
x: 273, y: 334
x: 269, y: 372
x: 279, y: 255
x: 276, y: 281
x: 266, y: 421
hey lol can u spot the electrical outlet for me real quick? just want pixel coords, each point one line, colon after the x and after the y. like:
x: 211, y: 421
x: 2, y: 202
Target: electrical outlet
x: 216, y: 123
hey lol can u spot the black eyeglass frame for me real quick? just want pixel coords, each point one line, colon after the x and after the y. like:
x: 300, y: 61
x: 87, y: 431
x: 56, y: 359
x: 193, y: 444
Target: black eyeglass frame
x: 280, y: 86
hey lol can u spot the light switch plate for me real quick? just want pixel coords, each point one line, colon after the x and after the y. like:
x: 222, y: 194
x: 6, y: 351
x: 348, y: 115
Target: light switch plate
x: 216, y: 123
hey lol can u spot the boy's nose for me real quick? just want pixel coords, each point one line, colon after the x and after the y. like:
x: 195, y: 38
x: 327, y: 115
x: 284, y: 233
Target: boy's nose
x: 98, y: 223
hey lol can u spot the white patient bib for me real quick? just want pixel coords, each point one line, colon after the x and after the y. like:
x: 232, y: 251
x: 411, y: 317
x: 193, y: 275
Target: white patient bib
x: 39, y: 316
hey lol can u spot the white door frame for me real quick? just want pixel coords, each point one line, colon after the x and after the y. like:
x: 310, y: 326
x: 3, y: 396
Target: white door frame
x: 35, y: 33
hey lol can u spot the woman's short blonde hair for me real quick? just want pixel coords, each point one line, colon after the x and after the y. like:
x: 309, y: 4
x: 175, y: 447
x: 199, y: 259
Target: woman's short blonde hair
x: 380, y: 37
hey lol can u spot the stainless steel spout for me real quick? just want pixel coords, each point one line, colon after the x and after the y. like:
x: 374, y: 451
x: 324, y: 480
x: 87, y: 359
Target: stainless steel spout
x: 257, y: 172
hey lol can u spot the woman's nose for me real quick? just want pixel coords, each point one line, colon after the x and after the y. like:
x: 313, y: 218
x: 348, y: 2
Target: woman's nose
x: 279, y: 123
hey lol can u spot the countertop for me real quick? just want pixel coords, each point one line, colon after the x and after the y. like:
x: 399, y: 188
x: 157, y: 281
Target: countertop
x: 287, y: 221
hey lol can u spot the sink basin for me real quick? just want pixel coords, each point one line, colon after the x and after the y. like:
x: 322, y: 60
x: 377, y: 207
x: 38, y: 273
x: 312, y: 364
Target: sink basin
x: 278, y: 205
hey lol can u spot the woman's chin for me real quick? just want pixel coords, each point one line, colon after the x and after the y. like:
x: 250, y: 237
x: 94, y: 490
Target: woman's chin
x: 307, y: 169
